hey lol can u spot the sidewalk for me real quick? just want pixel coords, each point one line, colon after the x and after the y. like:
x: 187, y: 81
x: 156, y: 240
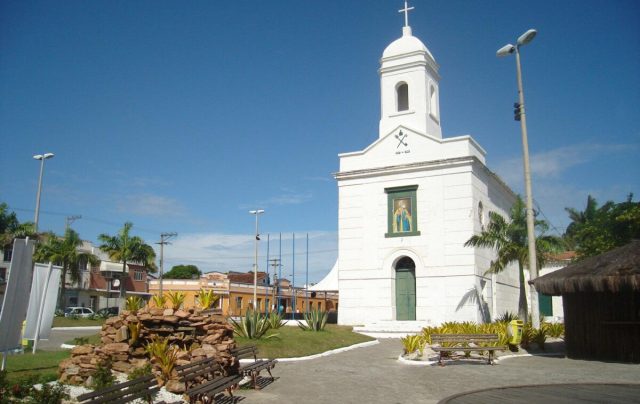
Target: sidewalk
x: 374, y: 375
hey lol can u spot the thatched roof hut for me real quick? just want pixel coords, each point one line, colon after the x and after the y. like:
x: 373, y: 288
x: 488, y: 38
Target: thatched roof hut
x: 609, y: 272
x: 601, y: 302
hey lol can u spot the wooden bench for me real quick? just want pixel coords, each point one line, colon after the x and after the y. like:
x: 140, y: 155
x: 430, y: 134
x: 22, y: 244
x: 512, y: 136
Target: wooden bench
x: 142, y: 387
x: 461, y: 342
x: 205, y: 379
x: 253, y: 369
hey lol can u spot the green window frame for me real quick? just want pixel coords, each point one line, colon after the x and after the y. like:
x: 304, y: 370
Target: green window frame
x: 402, y: 211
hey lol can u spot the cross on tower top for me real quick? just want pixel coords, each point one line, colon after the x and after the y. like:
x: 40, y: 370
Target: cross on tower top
x: 406, y: 10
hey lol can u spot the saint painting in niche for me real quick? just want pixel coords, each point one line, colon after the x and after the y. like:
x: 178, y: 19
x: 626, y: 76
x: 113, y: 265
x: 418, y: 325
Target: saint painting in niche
x: 402, y: 215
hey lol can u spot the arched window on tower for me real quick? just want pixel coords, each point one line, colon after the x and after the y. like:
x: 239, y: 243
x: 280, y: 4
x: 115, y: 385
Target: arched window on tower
x: 433, y: 101
x: 402, y: 93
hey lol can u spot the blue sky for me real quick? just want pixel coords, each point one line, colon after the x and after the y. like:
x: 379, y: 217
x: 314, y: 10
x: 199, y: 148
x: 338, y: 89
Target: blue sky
x: 182, y: 116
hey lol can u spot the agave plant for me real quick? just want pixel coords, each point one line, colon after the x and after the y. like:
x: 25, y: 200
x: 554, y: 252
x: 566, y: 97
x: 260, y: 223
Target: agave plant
x: 275, y: 320
x: 315, y: 320
x: 252, y: 326
x: 413, y: 343
x: 159, y: 301
x: 176, y: 299
x: 133, y: 303
x: 206, y: 298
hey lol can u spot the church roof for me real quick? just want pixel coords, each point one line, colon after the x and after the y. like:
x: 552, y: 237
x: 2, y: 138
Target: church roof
x: 406, y: 44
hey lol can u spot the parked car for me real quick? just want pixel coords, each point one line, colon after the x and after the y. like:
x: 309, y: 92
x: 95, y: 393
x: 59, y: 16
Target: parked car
x: 78, y: 312
x: 108, y: 311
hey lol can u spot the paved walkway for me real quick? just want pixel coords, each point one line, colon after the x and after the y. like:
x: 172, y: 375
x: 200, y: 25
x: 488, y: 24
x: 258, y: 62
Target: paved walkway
x: 373, y: 375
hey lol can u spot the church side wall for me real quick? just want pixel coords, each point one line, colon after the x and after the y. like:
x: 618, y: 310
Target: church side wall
x: 445, y: 269
x: 495, y: 197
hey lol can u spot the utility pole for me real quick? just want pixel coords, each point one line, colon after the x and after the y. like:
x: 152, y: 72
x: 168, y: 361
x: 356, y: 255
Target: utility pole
x: 69, y: 221
x: 275, y: 263
x: 163, y: 240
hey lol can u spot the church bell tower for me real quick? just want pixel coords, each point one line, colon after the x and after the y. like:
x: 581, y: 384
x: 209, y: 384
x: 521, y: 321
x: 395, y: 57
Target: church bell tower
x: 409, y: 86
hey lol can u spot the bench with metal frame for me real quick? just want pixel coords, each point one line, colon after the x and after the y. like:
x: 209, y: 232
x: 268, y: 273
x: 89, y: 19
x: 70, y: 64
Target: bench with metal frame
x: 253, y: 369
x: 205, y: 378
x: 461, y: 342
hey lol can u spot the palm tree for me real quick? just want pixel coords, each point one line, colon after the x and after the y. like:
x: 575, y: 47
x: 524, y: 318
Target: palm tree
x: 126, y: 248
x: 509, y: 239
x: 64, y: 252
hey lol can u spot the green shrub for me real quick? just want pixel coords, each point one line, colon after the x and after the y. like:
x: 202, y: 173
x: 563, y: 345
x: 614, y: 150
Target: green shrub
x: 133, y: 304
x: 102, y: 376
x: 527, y: 335
x: 507, y: 317
x: 176, y: 299
x: 252, y: 326
x: 81, y: 340
x: 316, y: 320
x: 413, y: 343
x: 206, y: 298
x: 164, y: 354
x: 140, y: 371
x: 134, y: 332
x: 159, y: 301
x: 48, y: 394
x: 554, y: 330
x: 540, y: 336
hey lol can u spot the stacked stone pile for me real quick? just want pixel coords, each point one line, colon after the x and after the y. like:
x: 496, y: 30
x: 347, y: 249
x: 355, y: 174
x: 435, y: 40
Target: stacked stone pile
x: 197, y: 334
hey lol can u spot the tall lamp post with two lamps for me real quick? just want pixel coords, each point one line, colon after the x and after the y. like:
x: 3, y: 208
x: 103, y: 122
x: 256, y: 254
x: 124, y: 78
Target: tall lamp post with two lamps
x: 521, y: 116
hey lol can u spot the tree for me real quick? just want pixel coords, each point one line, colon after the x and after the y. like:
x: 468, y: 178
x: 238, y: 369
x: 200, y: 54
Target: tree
x: 64, y: 252
x: 598, y: 230
x: 11, y: 228
x: 183, y: 272
x: 509, y: 239
x: 126, y: 248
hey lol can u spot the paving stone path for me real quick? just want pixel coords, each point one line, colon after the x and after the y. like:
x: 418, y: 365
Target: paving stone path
x: 374, y: 375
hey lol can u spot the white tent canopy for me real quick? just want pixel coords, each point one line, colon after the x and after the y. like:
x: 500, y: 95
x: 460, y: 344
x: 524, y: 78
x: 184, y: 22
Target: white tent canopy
x: 329, y: 282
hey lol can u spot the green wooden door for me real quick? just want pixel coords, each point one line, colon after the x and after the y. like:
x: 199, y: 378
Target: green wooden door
x: 545, y: 305
x: 405, y: 294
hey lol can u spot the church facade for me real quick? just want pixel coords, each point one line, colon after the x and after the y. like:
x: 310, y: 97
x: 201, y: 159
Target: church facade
x: 407, y: 204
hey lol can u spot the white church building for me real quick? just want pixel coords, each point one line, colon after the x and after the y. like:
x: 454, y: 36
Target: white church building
x: 407, y: 204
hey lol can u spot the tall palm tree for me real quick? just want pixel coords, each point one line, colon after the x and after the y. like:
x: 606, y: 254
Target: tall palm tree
x: 509, y: 239
x: 126, y: 248
x: 64, y: 252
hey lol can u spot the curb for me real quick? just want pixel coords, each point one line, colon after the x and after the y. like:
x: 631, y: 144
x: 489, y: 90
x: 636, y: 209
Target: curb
x: 88, y: 328
x: 320, y: 355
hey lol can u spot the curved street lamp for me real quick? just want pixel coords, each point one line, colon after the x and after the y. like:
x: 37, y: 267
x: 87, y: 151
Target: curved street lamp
x: 42, y: 158
x: 520, y: 112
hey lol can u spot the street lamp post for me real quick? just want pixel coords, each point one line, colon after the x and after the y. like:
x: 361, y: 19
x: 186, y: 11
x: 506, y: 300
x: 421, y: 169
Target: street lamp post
x: 164, y: 237
x: 256, y: 212
x: 531, y: 237
x: 42, y: 158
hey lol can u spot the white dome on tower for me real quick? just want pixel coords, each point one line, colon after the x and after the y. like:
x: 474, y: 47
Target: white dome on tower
x: 406, y: 44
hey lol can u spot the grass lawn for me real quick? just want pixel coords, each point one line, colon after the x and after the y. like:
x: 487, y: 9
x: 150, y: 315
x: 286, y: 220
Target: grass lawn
x: 76, y: 322
x: 44, y: 365
x: 292, y: 342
